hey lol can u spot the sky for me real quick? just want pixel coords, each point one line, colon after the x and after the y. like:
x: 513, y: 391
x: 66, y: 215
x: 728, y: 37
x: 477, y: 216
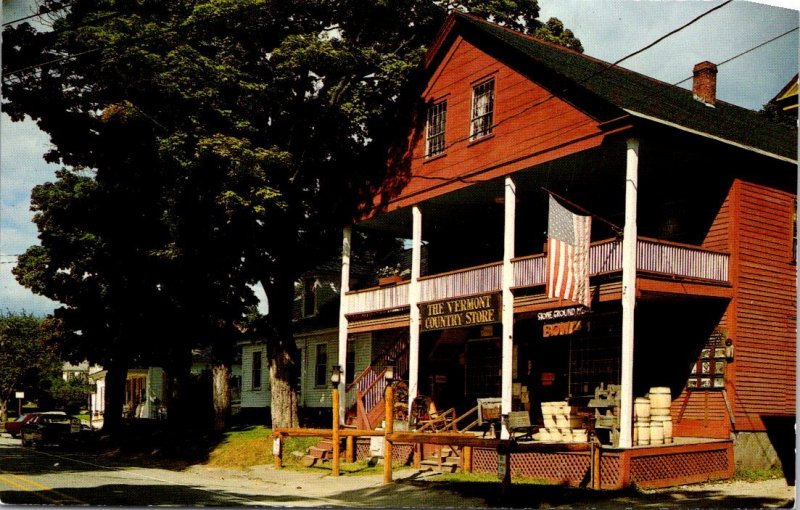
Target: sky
x: 608, y: 29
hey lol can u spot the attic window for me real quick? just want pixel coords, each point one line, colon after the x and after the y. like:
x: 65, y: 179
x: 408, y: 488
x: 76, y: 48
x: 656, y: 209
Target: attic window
x: 437, y: 117
x: 482, y: 109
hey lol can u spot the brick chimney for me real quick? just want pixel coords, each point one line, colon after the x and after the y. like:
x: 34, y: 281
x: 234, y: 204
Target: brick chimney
x: 704, y: 86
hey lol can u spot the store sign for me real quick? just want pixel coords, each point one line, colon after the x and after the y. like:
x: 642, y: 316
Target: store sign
x: 562, y: 313
x: 460, y: 312
x: 561, y: 328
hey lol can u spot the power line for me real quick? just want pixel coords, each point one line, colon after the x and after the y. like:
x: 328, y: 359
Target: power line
x: 745, y: 52
x: 38, y: 15
x: 597, y: 73
x: 127, y: 42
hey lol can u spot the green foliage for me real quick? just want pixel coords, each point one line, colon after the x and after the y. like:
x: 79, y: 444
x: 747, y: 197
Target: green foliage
x: 758, y: 474
x: 69, y: 395
x: 26, y: 355
x: 227, y: 143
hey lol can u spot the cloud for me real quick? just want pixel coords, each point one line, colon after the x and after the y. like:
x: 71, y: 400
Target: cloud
x: 612, y: 29
x: 15, y: 297
x: 22, y: 168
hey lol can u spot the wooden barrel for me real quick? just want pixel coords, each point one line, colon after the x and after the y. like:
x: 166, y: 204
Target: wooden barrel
x: 641, y: 408
x: 660, y: 401
x: 666, y: 424
x: 642, y: 432
x: 656, y: 432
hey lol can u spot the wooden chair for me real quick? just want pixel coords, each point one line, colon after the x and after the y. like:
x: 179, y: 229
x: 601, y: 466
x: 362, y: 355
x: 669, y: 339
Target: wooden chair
x: 429, y: 418
x: 519, y: 422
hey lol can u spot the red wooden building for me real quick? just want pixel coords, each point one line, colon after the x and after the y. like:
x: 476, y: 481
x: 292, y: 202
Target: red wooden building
x: 692, y: 262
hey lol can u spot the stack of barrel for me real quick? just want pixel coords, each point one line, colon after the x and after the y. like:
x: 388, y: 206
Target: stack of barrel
x: 652, y: 421
x: 562, y: 424
x: 660, y: 417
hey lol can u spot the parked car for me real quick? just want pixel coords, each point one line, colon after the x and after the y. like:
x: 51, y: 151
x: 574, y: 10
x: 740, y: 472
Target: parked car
x: 13, y: 427
x: 51, y: 427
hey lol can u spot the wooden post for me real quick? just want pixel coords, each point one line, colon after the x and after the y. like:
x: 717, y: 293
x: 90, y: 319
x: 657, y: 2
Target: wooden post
x: 347, y: 235
x: 335, y: 433
x: 413, y: 303
x: 417, y: 455
x: 350, y: 451
x: 629, y: 242
x: 507, y: 314
x: 596, y: 464
x: 277, y: 451
x: 388, y: 429
x: 466, y: 459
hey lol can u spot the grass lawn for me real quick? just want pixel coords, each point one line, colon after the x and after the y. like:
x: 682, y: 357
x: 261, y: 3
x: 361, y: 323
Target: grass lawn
x: 252, y: 446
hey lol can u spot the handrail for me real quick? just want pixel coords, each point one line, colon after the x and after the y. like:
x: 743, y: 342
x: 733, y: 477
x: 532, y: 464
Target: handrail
x: 458, y: 271
x: 375, y: 287
x: 473, y: 410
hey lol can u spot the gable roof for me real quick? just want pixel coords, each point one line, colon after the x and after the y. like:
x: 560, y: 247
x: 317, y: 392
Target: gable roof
x: 787, y: 97
x: 633, y: 93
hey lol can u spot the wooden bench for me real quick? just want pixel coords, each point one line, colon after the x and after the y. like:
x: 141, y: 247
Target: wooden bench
x: 519, y: 422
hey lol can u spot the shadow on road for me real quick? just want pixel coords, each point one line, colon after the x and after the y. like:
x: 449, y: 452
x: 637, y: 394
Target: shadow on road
x: 142, y: 495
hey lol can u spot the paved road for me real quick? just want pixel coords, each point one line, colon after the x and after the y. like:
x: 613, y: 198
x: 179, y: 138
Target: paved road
x: 32, y: 476
x: 41, y: 477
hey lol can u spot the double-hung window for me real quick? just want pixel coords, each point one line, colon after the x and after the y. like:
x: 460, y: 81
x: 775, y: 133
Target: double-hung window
x: 482, y: 109
x: 255, y: 373
x: 437, y: 118
x: 321, y: 366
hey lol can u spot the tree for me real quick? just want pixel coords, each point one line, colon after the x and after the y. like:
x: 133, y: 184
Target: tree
x: 255, y: 130
x: 25, y: 354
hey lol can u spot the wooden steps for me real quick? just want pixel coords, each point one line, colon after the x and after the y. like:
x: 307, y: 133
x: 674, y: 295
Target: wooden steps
x: 320, y: 453
x: 446, y: 460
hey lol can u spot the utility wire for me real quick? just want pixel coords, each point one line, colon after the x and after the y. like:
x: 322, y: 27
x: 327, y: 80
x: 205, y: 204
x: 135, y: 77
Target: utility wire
x: 597, y: 73
x: 745, y: 52
x: 63, y: 6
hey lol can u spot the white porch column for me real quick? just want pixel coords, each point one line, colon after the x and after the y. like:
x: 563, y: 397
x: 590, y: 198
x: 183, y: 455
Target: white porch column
x: 508, y: 299
x: 628, y: 293
x: 344, y: 287
x: 413, y: 305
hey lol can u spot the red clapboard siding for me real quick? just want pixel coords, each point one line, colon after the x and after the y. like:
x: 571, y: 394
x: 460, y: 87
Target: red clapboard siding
x: 704, y: 414
x: 765, y: 304
x: 530, y: 126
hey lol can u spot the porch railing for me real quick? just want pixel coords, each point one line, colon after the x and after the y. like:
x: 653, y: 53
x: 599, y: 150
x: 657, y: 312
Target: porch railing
x: 604, y: 257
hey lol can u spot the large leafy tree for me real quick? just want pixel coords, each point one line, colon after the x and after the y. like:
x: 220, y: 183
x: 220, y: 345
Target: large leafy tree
x: 249, y: 129
x: 26, y: 355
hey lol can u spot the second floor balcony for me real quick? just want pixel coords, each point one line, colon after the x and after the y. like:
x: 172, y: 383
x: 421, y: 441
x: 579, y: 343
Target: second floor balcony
x: 654, y: 258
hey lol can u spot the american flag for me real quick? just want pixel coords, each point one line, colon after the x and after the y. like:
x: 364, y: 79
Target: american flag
x: 568, y: 237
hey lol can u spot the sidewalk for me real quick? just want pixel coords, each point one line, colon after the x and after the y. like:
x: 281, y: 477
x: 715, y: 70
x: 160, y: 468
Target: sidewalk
x: 416, y: 489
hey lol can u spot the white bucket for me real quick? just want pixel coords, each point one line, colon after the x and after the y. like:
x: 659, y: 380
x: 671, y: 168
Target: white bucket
x: 656, y: 432
x: 666, y: 424
x: 660, y: 401
x: 643, y: 433
x: 641, y: 408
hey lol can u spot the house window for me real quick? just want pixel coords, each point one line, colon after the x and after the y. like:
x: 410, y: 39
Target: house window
x: 709, y: 370
x: 256, y: 371
x: 321, y: 366
x: 482, y: 109
x: 309, y: 297
x: 350, y: 368
x: 437, y: 117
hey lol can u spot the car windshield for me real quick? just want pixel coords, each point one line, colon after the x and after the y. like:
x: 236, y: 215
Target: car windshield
x: 54, y: 419
x: 21, y: 417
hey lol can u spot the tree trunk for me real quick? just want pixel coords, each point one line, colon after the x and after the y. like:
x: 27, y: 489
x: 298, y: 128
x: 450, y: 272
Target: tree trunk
x: 177, y: 386
x: 3, y: 411
x: 115, y: 395
x: 282, y: 352
x: 220, y: 379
